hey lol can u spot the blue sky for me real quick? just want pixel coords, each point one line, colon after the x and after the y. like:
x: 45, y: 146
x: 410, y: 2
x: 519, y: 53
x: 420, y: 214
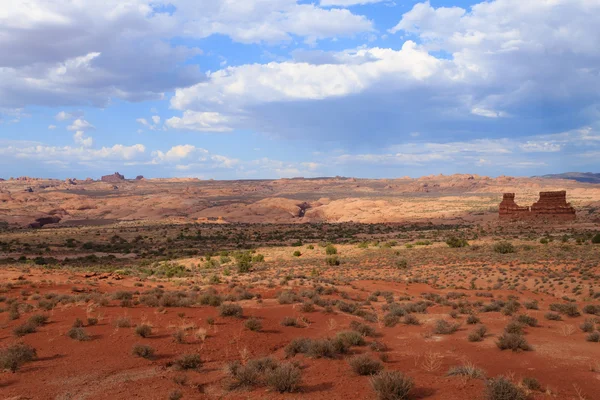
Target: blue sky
x: 282, y: 88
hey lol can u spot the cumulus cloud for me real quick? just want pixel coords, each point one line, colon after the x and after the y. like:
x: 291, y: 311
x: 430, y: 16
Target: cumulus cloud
x: 45, y: 153
x: 80, y: 125
x: 348, y: 3
x: 462, y: 72
x: 201, y: 122
x: 81, y: 139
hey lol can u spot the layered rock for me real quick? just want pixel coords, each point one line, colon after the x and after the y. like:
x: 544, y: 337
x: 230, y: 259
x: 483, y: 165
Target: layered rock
x: 509, y: 209
x: 551, y: 205
x: 114, y: 178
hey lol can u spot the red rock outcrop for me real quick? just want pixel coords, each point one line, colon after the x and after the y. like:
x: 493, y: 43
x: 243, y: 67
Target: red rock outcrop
x: 551, y: 205
x: 114, y: 178
x: 509, y: 209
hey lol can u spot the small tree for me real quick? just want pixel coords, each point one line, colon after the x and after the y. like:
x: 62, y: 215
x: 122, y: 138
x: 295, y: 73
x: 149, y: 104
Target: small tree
x: 455, y: 242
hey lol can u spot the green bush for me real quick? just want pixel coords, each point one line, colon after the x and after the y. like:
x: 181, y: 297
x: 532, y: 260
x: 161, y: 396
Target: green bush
x: 332, y: 260
x: 596, y: 238
x: 455, y: 242
x: 297, y: 253
x: 504, y: 248
x: 330, y: 250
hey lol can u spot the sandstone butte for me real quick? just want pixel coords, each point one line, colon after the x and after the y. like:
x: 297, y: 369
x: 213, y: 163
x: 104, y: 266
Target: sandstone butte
x: 551, y: 205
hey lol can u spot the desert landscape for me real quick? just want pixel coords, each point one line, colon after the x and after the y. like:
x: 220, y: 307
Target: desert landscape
x: 441, y: 287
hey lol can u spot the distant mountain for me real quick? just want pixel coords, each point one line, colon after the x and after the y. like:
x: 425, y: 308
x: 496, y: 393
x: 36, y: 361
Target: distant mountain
x: 585, y: 177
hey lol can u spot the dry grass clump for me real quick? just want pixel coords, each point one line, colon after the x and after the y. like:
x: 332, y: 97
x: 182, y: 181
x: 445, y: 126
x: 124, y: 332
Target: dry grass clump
x: 253, y: 324
x: 514, y: 342
x: 478, y: 334
x: 281, y: 377
x: 78, y: 334
x: 365, y: 365
x: 317, y: 348
x: 392, y: 385
x: 143, y: 330
x: 12, y: 357
x: 231, y: 310
x: 142, y: 350
x: 188, y: 361
x: 468, y: 369
x: 501, y: 388
x: 443, y: 327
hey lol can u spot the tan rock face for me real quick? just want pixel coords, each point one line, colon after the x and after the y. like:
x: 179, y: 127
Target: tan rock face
x: 551, y: 205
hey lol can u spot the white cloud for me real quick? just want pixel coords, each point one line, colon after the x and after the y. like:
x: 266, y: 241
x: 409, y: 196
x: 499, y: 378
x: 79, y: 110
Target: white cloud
x: 81, y: 139
x: 156, y: 119
x: 177, y: 153
x: 68, y: 154
x: 80, y: 125
x: 201, y: 122
x: 348, y: 3
x: 51, y: 127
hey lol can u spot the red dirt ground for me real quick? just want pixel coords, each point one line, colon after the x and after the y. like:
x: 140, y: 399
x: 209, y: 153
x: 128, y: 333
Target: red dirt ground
x: 104, y: 368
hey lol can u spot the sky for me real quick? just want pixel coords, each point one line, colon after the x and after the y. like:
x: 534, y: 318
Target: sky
x: 232, y: 89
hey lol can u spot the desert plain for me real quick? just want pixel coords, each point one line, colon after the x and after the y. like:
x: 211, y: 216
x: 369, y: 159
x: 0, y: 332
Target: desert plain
x: 329, y: 288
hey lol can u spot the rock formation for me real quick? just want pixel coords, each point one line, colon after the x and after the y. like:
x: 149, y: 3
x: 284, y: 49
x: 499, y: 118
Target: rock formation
x: 139, y: 177
x: 114, y: 178
x: 551, y: 205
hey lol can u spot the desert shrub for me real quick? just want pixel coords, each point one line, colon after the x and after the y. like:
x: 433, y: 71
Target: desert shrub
x: 332, y: 260
x: 588, y: 325
x: 467, y: 369
x: 527, y: 320
x: 91, y: 321
x: 210, y: 299
x: 231, y: 310
x: 365, y: 365
x: 591, y: 309
x: 378, y: 346
x: 297, y: 346
x: 253, y: 324
x: 502, y: 388
x: 78, y: 334
x: 473, y: 319
x: 78, y: 323
x: 141, y: 350
x: 143, y: 330
x: 569, y: 309
x: 363, y: 329
x: 402, y: 263
x: 596, y: 238
x: 188, y: 361
x: 123, y: 295
x: 287, y: 297
x: 284, y: 378
x: 175, y: 395
x: 504, y: 248
x: 24, y: 329
x: 514, y: 327
x: 12, y: 357
x: 297, y: 253
x: 455, y: 242
x: 513, y: 341
x: 531, y: 305
x: 307, y: 306
x: 392, y: 385
x: 478, y: 334
x: 330, y: 250
x: 38, y: 319
x: 352, y: 338
x: 593, y: 337
x: 289, y: 321
x: 326, y: 348
x: 443, y: 327
x: 123, y: 322
x: 410, y: 319
x: 552, y: 316
x: 531, y: 384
